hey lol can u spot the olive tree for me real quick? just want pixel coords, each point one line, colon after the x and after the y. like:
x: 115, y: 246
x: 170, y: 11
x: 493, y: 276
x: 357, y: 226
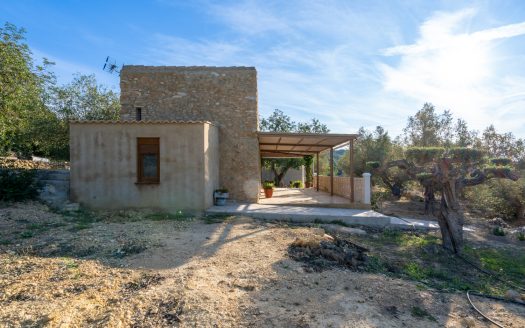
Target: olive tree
x: 449, y: 171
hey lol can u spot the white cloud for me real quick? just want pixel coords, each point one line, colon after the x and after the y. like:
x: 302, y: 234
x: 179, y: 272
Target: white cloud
x: 459, y: 70
x: 328, y: 61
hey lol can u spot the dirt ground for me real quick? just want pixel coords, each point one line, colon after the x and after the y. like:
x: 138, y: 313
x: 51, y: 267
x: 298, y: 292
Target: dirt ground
x: 125, y: 270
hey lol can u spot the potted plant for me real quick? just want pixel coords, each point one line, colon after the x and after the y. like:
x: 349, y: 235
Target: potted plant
x: 268, y: 188
x: 308, y: 161
x: 220, y: 196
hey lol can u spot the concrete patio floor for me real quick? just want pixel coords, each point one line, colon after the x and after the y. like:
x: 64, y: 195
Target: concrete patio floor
x: 305, y: 196
x: 320, y: 214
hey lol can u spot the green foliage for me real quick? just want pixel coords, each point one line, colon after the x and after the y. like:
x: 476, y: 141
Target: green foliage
x: 373, y: 165
x: 24, y: 91
x: 521, y: 236
x: 417, y: 256
x: 27, y: 234
x: 510, y: 265
x: 308, y: 162
x: 424, y: 176
x: 279, y: 122
x: 17, y: 185
x: 371, y: 147
x: 498, y: 231
x: 498, y: 198
x: 424, y: 155
x: 428, y: 128
x: 502, y: 145
x: 415, y: 271
x: 466, y: 155
x: 268, y: 184
x: 296, y: 184
x: 85, y: 99
x: 421, y: 313
x: 497, y: 170
x: 501, y: 161
x: 164, y: 216
x: 34, y: 111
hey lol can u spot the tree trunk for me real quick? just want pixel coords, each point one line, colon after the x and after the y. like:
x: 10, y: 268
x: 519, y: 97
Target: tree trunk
x: 278, y: 176
x: 450, y: 219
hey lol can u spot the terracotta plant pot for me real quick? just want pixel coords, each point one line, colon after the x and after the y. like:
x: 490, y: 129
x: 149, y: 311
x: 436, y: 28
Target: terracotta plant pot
x: 268, y: 193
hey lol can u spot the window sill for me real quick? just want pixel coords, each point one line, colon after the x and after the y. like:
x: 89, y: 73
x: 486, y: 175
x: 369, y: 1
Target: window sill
x: 147, y: 183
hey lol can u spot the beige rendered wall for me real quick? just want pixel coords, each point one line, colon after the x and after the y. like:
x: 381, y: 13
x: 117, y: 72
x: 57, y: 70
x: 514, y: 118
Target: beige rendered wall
x: 211, y: 168
x: 225, y: 96
x: 104, y: 165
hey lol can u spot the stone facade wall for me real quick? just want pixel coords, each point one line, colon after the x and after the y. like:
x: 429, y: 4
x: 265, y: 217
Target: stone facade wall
x: 225, y: 96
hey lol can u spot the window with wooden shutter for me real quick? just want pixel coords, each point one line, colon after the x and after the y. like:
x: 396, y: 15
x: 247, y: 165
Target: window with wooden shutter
x: 148, y: 160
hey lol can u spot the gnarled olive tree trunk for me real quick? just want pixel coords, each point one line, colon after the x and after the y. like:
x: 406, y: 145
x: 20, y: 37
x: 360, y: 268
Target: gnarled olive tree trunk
x: 450, y: 218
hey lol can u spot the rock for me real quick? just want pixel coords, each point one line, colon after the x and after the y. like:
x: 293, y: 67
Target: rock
x: 513, y: 295
x: 498, y: 222
x: 334, y: 228
x: 469, y: 322
x: 328, y: 237
x: 71, y: 207
x: 317, y: 231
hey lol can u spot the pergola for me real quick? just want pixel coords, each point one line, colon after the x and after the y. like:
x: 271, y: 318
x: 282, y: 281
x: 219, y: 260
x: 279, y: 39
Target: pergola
x: 284, y: 144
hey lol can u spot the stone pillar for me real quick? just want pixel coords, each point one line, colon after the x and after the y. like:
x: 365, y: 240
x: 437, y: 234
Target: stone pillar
x: 367, y: 188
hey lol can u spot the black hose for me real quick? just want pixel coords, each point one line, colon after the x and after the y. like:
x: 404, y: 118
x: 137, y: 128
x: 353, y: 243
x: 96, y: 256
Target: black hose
x: 481, y: 313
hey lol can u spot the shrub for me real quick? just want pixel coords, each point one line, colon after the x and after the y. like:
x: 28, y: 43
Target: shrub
x: 17, y: 185
x: 268, y: 184
x: 466, y: 155
x: 498, y: 198
x: 424, y: 154
x: 498, y: 231
x: 372, y: 165
x: 501, y: 161
x: 308, y: 161
x: 296, y: 184
x: 521, y: 236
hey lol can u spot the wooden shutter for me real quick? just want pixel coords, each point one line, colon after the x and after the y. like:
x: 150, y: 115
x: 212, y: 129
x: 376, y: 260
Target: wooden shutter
x: 148, y: 160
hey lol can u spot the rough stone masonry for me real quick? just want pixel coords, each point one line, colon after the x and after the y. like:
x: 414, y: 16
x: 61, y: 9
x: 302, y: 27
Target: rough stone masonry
x: 225, y: 96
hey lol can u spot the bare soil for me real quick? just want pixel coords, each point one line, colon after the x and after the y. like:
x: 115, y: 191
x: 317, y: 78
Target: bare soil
x: 125, y: 270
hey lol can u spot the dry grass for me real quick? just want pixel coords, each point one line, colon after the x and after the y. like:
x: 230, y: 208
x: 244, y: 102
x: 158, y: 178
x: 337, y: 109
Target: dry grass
x: 125, y: 270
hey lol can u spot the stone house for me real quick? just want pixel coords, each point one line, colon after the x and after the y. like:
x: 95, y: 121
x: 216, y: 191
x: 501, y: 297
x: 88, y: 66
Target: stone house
x: 183, y: 132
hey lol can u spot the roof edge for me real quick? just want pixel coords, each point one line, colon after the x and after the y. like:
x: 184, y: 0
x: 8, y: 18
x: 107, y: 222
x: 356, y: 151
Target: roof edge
x: 301, y: 134
x: 138, y: 122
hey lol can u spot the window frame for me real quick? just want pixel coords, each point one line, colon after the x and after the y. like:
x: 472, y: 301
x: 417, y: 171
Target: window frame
x: 147, y: 146
x: 138, y: 113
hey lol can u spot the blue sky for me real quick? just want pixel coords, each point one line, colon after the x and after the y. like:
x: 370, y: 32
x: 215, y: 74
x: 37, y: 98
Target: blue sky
x: 348, y: 63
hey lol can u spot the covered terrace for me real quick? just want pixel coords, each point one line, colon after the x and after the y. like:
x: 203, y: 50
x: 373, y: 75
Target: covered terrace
x: 297, y: 145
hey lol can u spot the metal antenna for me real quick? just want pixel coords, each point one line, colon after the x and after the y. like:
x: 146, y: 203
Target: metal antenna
x: 111, y: 66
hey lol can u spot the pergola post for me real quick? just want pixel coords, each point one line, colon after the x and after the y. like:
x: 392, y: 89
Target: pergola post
x: 331, y: 171
x: 352, y: 187
x: 317, y: 169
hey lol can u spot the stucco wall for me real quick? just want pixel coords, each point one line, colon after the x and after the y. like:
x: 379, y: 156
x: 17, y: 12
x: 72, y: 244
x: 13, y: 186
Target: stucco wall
x: 225, y: 96
x: 104, y: 165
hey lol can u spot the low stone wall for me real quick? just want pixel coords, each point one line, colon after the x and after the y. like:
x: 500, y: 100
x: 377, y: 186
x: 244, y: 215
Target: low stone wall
x: 54, y: 186
x: 342, y: 187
